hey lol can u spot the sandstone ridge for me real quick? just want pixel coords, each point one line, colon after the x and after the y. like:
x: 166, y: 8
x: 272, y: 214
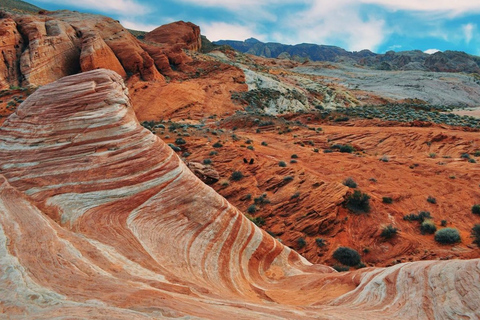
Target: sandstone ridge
x: 99, y: 218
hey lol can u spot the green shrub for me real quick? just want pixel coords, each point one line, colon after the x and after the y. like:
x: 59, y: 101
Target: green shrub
x: 389, y: 232
x: 261, y: 199
x: 443, y: 223
x: 432, y: 200
x: 250, y: 148
x: 213, y: 153
x: 349, y: 182
x: 293, y: 161
x: 358, y: 202
x: 387, y: 200
x: 476, y: 209
x: 301, y: 242
x: 294, y: 156
x: 288, y: 178
x: 207, y: 161
x: 346, y: 148
x: 217, y: 145
x: 428, y: 226
x: 421, y: 216
x: 320, y: 242
x: 347, y: 256
x: 236, y: 176
x: 447, y: 236
x: 476, y: 234
x: 282, y: 164
x: 259, y: 221
x: 252, y: 209
x: 264, y: 143
x: 174, y: 147
x: 180, y: 141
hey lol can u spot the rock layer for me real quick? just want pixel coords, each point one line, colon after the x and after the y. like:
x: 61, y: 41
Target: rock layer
x: 99, y: 218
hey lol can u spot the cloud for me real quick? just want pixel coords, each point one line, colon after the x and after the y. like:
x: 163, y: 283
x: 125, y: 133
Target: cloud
x: 224, y: 31
x: 328, y: 21
x: 468, y: 31
x: 138, y: 25
x: 124, y: 7
x: 431, y: 51
x: 453, y: 8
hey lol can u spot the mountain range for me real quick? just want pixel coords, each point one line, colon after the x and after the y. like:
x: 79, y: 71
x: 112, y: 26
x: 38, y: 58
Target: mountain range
x: 448, y: 61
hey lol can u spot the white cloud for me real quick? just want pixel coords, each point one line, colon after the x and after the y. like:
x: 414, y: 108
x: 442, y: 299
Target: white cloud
x: 448, y: 6
x: 125, y: 7
x: 431, y: 51
x: 224, y: 31
x: 134, y: 25
x: 327, y: 21
x: 468, y: 31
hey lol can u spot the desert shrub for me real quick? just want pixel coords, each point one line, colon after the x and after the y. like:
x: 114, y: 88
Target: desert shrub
x: 293, y: 161
x: 346, y: 148
x: 180, y: 141
x: 443, y: 223
x: 264, y: 143
x: 472, y: 160
x: 261, y: 199
x: 389, y: 232
x: 250, y: 148
x: 347, y: 256
x: 349, y: 182
x: 186, y: 154
x: 259, y: 221
x: 207, y: 161
x: 327, y: 151
x: 294, y: 156
x: 282, y: 164
x: 421, y: 216
x: 432, y: 200
x: 477, y: 153
x: 174, y: 147
x: 387, y: 200
x: 236, y: 176
x: 465, y: 156
x: 217, y: 145
x: 288, y: 178
x: 447, y: 236
x: 301, y: 242
x: 428, y: 226
x: 320, y: 242
x: 213, y: 153
x: 476, y: 234
x: 252, y: 209
x: 476, y: 209
x: 358, y: 202
x: 295, y: 195
x: 341, y: 268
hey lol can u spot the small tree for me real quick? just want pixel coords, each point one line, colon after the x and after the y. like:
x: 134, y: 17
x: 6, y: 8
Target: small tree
x: 347, y: 256
x: 447, y: 236
x: 236, y: 176
x: 389, y: 232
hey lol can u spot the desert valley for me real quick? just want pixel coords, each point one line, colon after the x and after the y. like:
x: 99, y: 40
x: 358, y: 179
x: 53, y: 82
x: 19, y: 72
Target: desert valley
x: 157, y: 175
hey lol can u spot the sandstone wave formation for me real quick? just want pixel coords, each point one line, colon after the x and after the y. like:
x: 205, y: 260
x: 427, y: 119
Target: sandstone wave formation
x: 100, y: 219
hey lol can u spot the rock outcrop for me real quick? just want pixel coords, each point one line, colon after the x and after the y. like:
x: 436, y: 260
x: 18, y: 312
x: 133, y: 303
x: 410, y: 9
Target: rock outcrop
x: 184, y: 34
x: 99, y: 218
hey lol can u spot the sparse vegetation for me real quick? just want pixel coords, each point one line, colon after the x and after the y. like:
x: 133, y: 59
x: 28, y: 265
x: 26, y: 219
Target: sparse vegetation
x: 421, y: 216
x: 358, y: 202
x: 282, y: 164
x: 347, y: 256
x: 252, y: 209
x: 180, y: 141
x: 389, y: 232
x: 476, y: 209
x: 428, y: 227
x: 217, y: 145
x: 387, y: 200
x: 476, y: 234
x: 447, y: 236
x: 349, y: 182
x: 236, y: 176
x: 207, y: 161
x: 320, y: 242
x: 431, y: 200
x: 301, y: 242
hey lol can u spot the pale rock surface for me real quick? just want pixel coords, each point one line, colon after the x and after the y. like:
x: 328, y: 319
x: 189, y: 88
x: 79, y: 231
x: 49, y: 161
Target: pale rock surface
x: 100, y: 219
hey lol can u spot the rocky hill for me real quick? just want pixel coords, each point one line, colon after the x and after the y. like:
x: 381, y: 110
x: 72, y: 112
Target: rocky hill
x: 108, y: 141
x: 448, y: 61
x: 91, y: 208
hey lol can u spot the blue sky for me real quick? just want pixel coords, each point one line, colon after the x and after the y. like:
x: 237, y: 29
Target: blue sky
x: 378, y: 25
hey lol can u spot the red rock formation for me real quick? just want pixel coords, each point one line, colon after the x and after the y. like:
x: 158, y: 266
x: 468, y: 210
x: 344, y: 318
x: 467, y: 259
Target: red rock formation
x: 184, y: 34
x: 10, y: 47
x: 99, y: 218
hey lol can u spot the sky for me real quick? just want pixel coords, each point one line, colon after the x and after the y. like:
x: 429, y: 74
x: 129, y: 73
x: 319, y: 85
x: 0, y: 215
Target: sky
x: 377, y: 25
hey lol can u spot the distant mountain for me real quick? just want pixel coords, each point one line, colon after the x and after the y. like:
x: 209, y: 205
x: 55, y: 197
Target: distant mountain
x: 448, y: 61
x: 19, y: 6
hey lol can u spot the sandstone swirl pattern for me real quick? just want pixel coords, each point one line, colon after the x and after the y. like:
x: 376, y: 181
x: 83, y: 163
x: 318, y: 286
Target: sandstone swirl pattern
x: 100, y: 219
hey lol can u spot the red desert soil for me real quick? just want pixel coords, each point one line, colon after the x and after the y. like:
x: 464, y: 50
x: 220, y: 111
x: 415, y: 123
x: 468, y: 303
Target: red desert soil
x: 305, y: 198
x: 100, y: 219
